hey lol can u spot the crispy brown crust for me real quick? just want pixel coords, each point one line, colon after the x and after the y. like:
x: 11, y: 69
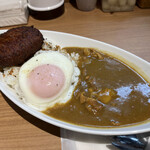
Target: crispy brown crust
x: 19, y: 44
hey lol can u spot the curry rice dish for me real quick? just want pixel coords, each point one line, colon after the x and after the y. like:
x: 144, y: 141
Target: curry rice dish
x: 108, y: 93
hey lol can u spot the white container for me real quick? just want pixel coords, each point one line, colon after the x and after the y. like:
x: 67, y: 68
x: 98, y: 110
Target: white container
x: 117, y: 5
x: 86, y: 5
x: 44, y: 5
x: 46, y: 9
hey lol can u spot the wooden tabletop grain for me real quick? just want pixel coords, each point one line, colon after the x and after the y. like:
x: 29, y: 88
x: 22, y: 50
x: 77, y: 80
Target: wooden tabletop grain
x: 128, y: 30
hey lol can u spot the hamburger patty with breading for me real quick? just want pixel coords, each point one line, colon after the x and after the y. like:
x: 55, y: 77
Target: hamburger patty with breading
x: 19, y: 44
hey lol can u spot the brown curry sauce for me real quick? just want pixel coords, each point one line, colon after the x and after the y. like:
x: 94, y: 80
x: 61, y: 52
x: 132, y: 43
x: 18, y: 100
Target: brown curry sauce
x: 109, y: 93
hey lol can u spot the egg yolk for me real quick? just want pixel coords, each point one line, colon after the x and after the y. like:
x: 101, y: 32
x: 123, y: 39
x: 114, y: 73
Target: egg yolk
x: 46, y: 81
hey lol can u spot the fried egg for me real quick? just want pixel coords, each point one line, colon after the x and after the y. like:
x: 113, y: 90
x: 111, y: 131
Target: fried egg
x: 48, y: 78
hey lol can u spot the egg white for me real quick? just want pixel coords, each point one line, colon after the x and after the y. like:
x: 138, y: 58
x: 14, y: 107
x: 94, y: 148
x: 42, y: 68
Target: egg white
x: 67, y: 65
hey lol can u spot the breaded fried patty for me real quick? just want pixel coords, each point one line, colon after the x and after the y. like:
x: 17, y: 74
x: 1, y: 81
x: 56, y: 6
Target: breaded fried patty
x: 19, y: 44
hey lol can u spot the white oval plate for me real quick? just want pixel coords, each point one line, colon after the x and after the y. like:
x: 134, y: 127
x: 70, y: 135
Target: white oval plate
x: 64, y: 39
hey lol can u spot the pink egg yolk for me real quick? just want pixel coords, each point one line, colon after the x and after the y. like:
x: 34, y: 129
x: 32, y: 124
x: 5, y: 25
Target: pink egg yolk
x: 46, y: 81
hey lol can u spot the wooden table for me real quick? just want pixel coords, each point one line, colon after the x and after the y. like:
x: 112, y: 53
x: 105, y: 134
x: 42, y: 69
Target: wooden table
x: 127, y: 30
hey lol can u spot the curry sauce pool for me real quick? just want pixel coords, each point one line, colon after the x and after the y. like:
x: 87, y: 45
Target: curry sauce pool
x: 109, y: 93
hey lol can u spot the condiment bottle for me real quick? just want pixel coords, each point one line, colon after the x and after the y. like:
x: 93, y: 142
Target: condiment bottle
x: 143, y: 3
x: 117, y: 5
x: 86, y: 5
